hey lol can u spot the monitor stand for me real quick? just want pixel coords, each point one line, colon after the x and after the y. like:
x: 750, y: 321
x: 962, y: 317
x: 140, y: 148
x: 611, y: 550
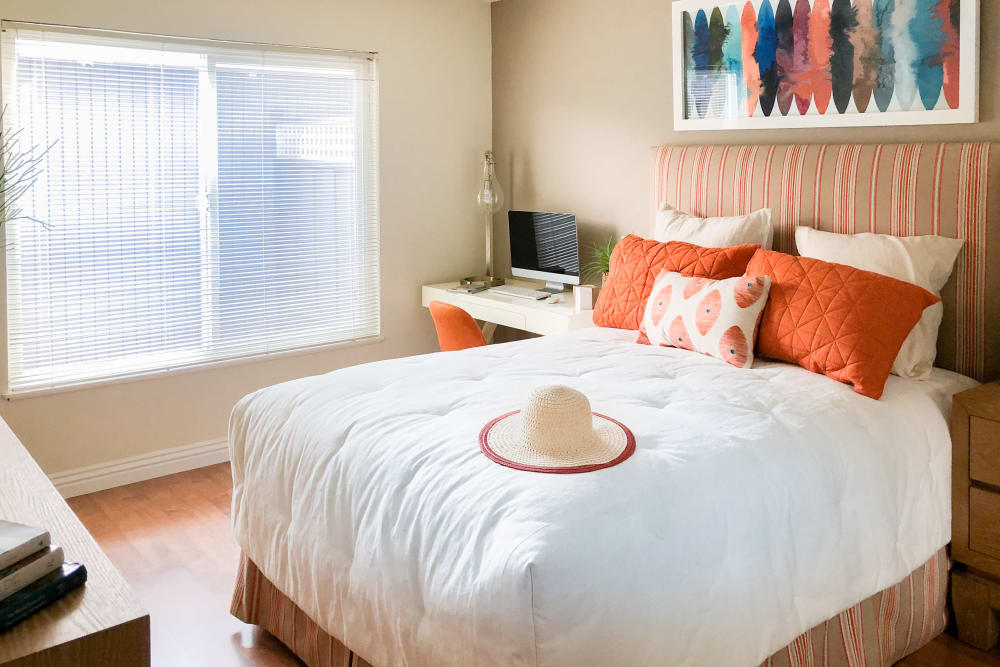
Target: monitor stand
x: 553, y: 288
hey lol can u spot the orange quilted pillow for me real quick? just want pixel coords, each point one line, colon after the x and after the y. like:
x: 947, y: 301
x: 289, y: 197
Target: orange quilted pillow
x: 836, y: 320
x: 636, y: 262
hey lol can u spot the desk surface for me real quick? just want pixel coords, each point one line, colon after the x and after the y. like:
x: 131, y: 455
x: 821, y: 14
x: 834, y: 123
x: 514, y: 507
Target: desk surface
x: 535, y: 316
x: 101, y: 623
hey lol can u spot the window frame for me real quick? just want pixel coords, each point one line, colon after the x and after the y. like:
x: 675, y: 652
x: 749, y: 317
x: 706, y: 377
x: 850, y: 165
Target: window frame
x: 367, y: 115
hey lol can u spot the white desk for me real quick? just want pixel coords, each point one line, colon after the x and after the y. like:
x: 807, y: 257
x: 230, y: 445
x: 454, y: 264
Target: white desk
x: 535, y: 316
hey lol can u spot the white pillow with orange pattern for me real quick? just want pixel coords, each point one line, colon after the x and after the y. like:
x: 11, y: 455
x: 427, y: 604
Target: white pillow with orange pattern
x: 715, y: 317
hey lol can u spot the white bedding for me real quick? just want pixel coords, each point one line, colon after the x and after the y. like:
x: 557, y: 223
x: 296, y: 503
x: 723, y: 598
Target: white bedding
x: 758, y: 504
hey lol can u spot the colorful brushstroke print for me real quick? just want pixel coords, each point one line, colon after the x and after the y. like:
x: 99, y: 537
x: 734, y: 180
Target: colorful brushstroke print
x: 885, y: 78
x: 843, y: 23
x: 801, y: 79
x: 732, y: 54
x: 751, y: 72
x: 787, y: 75
x: 821, y: 45
x: 866, y: 54
x: 764, y: 58
x: 949, y: 13
x: 766, y: 54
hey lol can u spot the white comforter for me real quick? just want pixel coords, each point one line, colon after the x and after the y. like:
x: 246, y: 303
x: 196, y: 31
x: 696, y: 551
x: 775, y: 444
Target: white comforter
x: 758, y: 504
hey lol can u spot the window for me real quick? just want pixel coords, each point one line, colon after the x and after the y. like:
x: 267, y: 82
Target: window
x: 204, y: 202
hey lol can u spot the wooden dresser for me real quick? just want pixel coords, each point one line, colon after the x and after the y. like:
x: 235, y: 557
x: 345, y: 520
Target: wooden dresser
x: 975, y: 522
x: 101, y: 623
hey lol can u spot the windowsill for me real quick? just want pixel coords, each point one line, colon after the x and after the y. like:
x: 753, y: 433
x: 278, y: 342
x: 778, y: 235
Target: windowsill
x: 191, y: 368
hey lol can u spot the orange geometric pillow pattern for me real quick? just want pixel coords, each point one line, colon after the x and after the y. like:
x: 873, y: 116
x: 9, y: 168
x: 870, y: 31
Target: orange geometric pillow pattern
x: 715, y: 317
x: 636, y: 262
x: 832, y: 319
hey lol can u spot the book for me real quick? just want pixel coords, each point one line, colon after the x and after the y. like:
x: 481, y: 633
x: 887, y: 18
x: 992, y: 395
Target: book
x: 30, y: 569
x: 18, y: 541
x: 36, y: 596
x: 468, y: 289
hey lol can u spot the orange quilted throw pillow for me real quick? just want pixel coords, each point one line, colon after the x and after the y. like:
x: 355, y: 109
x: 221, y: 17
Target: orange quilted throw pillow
x: 636, y: 263
x: 836, y: 320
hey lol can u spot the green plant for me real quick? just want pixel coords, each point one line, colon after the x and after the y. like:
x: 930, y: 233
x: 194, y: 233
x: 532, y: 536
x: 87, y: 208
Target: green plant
x: 599, y: 257
x: 19, y: 169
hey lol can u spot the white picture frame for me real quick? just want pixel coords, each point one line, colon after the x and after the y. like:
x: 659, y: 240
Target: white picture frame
x: 966, y: 112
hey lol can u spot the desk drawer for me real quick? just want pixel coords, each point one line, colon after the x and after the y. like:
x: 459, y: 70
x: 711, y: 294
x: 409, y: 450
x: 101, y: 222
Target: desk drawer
x: 984, y: 450
x: 984, y: 522
x: 496, y: 315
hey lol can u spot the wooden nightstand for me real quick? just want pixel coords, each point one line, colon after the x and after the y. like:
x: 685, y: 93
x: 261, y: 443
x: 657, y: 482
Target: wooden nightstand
x: 975, y: 521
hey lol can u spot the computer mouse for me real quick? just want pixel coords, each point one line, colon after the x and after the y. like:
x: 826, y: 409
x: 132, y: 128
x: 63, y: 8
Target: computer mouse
x: 555, y: 298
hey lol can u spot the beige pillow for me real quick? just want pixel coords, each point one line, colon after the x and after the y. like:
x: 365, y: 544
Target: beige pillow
x: 725, y: 232
x: 926, y: 261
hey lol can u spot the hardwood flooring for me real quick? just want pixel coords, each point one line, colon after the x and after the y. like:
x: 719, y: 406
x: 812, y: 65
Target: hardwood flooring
x: 171, y: 539
x: 947, y: 651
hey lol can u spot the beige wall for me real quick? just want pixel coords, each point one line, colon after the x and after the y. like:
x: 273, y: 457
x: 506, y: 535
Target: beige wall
x: 434, y: 69
x: 582, y: 89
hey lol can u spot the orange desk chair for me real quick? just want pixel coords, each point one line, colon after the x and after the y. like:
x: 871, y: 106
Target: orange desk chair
x: 456, y: 329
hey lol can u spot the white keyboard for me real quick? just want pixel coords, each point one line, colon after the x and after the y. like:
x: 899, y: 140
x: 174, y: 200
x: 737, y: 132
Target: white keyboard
x: 520, y: 292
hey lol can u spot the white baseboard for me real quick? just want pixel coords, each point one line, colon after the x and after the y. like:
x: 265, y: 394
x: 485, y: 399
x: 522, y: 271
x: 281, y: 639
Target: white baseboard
x: 88, y: 479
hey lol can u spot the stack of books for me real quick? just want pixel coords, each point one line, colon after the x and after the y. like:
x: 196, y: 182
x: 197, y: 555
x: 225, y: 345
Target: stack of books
x: 33, y: 573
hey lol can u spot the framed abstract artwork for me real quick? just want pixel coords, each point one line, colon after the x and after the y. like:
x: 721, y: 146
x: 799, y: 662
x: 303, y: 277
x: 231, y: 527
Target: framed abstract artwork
x: 765, y: 64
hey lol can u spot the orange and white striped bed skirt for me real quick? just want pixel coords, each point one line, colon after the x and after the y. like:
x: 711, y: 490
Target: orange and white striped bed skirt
x: 879, y: 630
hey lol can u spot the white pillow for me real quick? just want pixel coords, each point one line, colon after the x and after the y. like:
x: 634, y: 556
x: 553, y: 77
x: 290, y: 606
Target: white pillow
x: 674, y: 225
x: 926, y: 261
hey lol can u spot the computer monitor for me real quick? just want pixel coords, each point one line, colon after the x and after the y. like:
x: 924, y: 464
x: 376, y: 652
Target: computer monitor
x: 544, y: 246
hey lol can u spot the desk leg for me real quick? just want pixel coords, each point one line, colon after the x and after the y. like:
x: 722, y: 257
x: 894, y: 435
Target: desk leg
x: 489, y: 329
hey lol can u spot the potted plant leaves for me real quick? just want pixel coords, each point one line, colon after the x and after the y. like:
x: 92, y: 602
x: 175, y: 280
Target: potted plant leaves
x: 599, y: 258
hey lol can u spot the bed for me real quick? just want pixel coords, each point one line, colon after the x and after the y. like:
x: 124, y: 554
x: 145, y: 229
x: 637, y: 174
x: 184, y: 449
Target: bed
x: 768, y: 515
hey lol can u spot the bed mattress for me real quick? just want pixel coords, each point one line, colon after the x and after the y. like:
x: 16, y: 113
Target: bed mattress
x: 759, y: 503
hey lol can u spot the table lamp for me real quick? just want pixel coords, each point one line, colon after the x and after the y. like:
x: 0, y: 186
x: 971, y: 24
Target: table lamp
x: 489, y: 200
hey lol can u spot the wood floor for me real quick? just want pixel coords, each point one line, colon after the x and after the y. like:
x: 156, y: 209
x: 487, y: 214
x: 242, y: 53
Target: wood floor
x: 171, y: 539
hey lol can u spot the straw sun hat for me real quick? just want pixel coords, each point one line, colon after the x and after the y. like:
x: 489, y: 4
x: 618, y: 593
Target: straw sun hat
x: 556, y: 432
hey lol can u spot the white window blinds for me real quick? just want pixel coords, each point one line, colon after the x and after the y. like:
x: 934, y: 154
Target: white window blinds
x: 204, y: 202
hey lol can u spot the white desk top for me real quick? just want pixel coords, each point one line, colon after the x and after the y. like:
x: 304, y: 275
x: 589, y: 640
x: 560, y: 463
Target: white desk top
x: 525, y: 314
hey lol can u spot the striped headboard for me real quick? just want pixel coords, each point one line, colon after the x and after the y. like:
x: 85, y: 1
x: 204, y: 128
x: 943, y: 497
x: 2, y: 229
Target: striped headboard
x: 901, y: 189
